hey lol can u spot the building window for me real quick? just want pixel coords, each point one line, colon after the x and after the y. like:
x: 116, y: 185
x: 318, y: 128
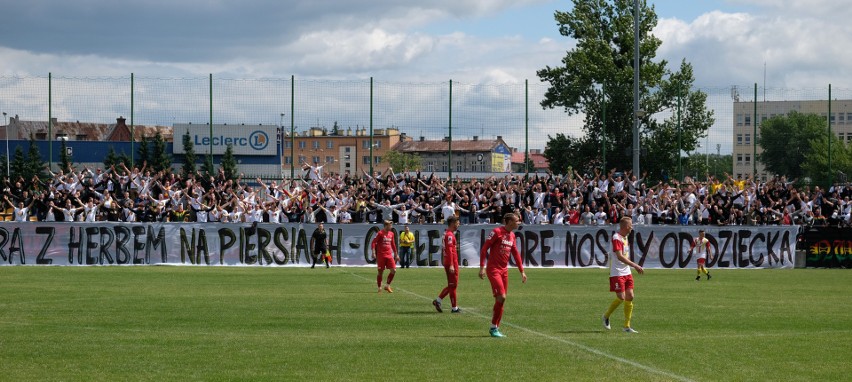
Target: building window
x: 301, y: 159
x: 301, y: 144
x: 316, y: 144
x: 288, y: 144
x: 739, y: 160
x: 366, y: 159
x: 459, y: 166
x: 444, y: 167
x: 377, y: 160
x: 748, y: 120
x: 848, y: 138
x: 849, y: 117
x: 315, y: 159
x: 739, y: 119
x: 831, y: 118
x: 365, y: 144
x: 288, y: 160
x: 841, y: 117
x: 377, y: 144
x: 748, y: 159
x: 329, y: 159
x: 329, y: 144
x: 346, y: 149
x: 739, y: 176
x: 739, y: 139
x: 762, y: 118
x: 748, y: 139
x: 430, y: 166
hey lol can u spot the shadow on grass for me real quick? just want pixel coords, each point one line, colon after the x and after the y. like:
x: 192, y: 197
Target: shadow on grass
x: 417, y: 312
x: 581, y: 332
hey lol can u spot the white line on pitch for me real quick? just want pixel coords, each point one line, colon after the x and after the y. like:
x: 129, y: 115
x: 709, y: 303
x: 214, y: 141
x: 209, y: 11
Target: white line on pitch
x: 592, y: 350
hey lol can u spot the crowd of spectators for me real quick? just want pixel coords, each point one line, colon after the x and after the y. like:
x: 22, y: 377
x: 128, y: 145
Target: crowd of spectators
x: 138, y: 195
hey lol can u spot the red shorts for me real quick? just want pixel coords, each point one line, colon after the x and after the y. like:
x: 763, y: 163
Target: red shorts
x: 620, y: 283
x: 385, y: 263
x: 702, y: 261
x: 499, y: 279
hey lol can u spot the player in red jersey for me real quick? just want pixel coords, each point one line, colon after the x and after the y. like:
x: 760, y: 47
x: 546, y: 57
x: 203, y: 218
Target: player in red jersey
x: 451, y: 266
x: 620, y: 278
x: 498, y: 247
x: 384, y: 251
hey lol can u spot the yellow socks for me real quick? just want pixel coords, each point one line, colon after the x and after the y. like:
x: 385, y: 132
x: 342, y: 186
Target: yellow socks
x: 628, y: 313
x: 612, y: 307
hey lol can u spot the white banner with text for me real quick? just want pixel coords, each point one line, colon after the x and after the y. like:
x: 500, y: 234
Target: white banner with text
x: 288, y: 244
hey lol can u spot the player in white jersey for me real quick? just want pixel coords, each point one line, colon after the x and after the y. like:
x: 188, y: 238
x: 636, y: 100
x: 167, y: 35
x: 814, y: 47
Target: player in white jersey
x: 703, y: 251
x: 620, y: 277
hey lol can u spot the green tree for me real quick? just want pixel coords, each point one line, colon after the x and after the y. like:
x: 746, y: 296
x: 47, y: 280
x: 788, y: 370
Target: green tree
x: 3, y: 172
x: 111, y: 157
x: 403, y: 161
x: 19, y: 164
x: 229, y: 163
x: 207, y: 168
x: 699, y: 165
x: 35, y: 165
x: 815, y: 165
x: 786, y: 140
x: 64, y: 158
x: 566, y: 153
x: 188, y: 155
x: 598, y: 74
x: 144, y: 151
x: 160, y: 159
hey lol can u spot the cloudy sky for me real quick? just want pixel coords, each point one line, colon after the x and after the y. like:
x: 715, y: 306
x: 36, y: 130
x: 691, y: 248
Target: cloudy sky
x: 801, y: 44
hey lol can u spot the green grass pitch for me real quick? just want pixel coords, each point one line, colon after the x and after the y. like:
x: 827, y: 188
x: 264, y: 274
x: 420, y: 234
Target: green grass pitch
x: 247, y: 323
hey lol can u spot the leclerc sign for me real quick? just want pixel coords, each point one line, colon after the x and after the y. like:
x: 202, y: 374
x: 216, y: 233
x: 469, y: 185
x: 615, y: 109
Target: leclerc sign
x: 244, y: 139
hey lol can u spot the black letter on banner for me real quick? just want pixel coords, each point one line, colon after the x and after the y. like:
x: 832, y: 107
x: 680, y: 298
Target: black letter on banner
x: 91, y: 232
x: 50, y: 232
x: 187, y: 247
x: 742, y: 247
x: 759, y: 261
x: 770, y: 247
x: 726, y: 235
x: 263, y: 239
x: 368, y: 239
x: 602, y: 234
x: 545, y: 249
x: 4, y: 235
x: 226, y: 241
x: 586, y: 238
x: 335, y: 243
x: 107, y: 234
x: 154, y: 242
x: 17, y: 245
x: 122, y: 236
x: 302, y: 245
x: 433, y: 249
x: 645, y: 247
x: 683, y: 237
x: 669, y: 237
x: 138, y: 245
x: 201, y: 247
x: 529, y: 237
x: 571, y: 249
x: 75, y: 245
x: 786, y: 250
x: 248, y: 246
x: 714, y: 245
x: 279, y: 238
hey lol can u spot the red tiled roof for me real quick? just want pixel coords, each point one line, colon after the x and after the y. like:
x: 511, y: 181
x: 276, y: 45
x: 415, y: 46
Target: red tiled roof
x: 441, y: 146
